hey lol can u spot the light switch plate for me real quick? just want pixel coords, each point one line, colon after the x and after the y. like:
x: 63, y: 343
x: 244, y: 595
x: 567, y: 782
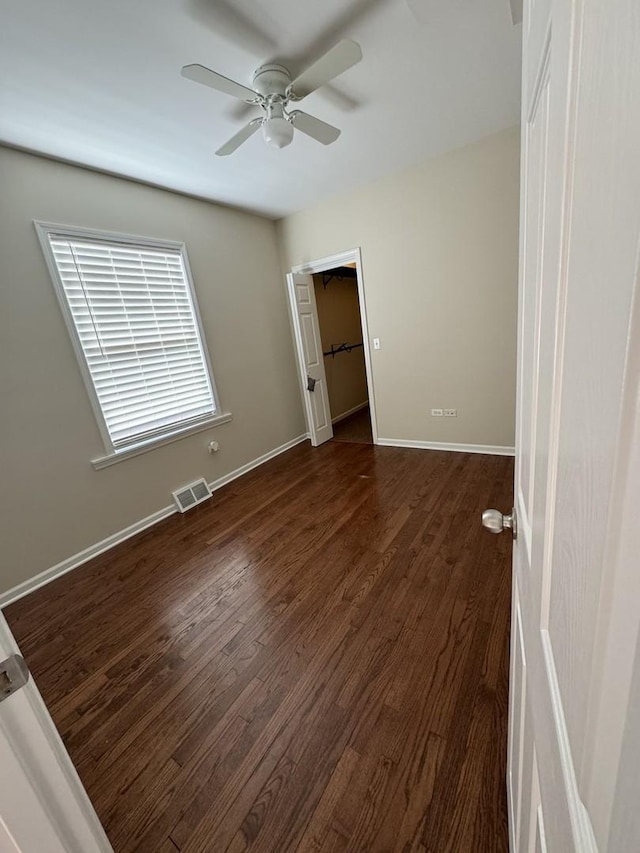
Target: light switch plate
x: 436, y: 413
x: 376, y: 343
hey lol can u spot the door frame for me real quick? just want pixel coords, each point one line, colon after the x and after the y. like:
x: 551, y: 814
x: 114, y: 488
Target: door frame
x: 322, y: 265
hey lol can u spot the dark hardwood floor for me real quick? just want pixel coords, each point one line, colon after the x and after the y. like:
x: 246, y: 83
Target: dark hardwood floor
x: 314, y: 660
x: 356, y: 427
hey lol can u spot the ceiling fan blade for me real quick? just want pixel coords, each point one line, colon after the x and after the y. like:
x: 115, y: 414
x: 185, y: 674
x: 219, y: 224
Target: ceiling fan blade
x: 241, y: 112
x: 312, y: 126
x: 435, y: 12
x: 200, y: 74
x: 337, y: 97
x: 241, y: 136
x: 249, y: 27
x: 341, y: 57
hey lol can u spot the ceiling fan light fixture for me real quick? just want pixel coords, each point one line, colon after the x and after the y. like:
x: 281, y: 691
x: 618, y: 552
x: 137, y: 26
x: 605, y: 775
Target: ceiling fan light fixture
x: 277, y: 131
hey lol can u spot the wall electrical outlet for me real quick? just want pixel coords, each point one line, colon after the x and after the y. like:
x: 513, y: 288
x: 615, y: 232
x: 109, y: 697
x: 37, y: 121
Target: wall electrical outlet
x: 451, y: 413
x: 436, y: 413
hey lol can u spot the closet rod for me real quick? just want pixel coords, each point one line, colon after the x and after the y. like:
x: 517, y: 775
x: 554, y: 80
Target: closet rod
x: 342, y: 348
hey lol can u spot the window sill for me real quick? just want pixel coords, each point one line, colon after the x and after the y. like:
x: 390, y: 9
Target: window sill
x: 158, y: 441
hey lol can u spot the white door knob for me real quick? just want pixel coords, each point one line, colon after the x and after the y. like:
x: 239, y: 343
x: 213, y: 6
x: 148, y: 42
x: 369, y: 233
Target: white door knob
x: 495, y: 522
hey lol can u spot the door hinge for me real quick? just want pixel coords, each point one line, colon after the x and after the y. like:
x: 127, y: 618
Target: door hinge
x: 14, y: 674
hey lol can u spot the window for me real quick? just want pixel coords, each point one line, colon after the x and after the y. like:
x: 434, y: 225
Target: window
x: 131, y: 309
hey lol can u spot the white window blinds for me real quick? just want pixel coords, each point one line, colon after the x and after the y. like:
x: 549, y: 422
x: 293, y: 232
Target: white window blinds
x: 133, y: 311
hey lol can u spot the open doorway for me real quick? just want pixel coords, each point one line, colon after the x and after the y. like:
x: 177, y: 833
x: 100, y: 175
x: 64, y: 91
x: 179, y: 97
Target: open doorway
x: 333, y: 348
x: 336, y: 292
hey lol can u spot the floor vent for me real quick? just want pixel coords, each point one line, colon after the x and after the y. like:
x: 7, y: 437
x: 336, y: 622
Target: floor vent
x: 191, y: 494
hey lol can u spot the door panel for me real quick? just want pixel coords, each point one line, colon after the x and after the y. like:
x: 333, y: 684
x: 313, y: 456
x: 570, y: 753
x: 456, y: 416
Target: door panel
x: 532, y: 808
x: 580, y: 238
x: 536, y: 143
x: 544, y: 128
x: 311, y: 359
x: 310, y: 340
x: 518, y: 688
x: 540, y: 843
x: 527, y: 783
x: 43, y: 806
x: 601, y: 273
x: 320, y: 413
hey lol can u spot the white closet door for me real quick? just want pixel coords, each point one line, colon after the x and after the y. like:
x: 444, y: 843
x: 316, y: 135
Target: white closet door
x: 312, y: 371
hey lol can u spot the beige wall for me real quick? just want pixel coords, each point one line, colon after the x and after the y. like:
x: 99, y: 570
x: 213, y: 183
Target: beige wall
x: 439, y: 249
x: 339, y: 318
x: 440, y: 266
x: 53, y: 503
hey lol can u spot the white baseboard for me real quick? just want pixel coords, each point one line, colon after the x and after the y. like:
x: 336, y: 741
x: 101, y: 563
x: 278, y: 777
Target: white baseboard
x: 81, y: 557
x: 349, y: 412
x: 491, y: 449
x: 87, y: 554
x: 255, y: 463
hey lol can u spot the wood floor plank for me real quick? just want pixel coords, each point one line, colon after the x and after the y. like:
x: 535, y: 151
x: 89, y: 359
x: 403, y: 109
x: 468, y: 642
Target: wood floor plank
x: 314, y: 660
x: 318, y: 826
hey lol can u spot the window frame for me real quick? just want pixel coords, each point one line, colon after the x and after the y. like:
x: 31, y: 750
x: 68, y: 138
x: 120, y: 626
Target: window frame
x: 174, y: 432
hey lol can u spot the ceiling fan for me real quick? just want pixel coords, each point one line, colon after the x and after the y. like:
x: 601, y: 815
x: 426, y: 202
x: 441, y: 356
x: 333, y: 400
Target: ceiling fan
x: 273, y: 90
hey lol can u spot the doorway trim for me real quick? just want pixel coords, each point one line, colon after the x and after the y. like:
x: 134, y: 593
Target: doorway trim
x: 322, y: 265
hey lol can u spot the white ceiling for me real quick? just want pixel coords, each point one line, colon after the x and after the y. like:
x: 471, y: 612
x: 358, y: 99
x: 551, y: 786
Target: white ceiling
x: 97, y: 82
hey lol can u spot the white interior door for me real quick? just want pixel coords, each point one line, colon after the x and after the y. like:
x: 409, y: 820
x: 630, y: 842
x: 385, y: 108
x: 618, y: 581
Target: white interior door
x: 310, y: 358
x: 43, y: 805
x: 573, y: 654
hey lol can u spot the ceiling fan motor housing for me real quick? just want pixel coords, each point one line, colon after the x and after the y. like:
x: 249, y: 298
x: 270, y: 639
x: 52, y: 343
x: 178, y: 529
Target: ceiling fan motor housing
x: 271, y: 80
